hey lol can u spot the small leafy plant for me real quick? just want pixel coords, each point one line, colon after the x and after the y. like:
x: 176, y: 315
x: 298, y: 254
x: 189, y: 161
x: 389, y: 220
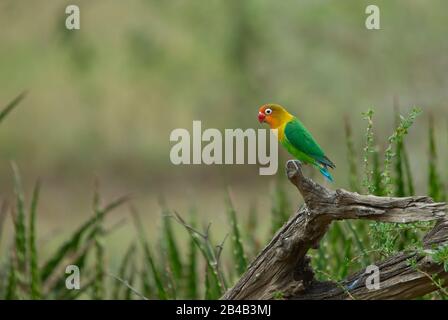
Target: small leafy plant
x: 186, y: 263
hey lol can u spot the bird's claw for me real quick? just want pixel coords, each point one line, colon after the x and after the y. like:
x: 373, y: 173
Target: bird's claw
x: 295, y: 163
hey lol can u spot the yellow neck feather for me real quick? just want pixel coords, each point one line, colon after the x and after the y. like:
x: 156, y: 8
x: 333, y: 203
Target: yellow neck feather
x: 279, y: 122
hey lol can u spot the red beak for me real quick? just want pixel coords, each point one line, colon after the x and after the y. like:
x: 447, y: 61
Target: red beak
x: 261, y: 117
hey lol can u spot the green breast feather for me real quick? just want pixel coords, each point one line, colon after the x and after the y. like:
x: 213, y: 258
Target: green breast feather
x: 301, y: 144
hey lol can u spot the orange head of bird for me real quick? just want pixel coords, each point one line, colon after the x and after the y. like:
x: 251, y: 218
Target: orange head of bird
x: 273, y: 114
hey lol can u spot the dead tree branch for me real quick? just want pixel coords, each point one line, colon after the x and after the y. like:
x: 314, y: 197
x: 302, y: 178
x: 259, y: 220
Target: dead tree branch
x: 283, y: 267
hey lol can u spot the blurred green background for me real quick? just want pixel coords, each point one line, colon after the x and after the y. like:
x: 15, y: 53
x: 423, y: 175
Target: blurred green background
x: 103, y: 100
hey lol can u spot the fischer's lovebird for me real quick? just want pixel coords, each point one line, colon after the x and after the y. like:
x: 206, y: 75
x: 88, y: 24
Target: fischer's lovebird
x: 293, y: 135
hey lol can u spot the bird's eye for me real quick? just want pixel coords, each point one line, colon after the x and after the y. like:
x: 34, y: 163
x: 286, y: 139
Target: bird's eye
x: 268, y: 111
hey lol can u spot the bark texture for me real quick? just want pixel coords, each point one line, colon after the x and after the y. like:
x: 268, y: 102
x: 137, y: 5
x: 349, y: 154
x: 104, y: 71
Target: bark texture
x: 282, y: 267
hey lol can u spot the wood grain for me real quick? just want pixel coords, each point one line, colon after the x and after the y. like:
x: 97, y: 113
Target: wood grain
x: 282, y: 267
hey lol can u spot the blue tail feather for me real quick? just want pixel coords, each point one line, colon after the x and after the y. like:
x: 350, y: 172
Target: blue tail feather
x: 326, y: 174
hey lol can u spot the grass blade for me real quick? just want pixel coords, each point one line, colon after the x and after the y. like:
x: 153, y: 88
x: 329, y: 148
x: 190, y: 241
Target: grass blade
x: 408, y: 171
x: 124, y: 266
x: 399, y: 176
x: 237, y: 245
x: 192, y: 278
x: 10, y: 106
x: 11, y: 287
x: 34, y: 269
x: 146, y: 284
x: 212, y: 258
x: 376, y: 174
x: 434, y: 184
x: 161, y: 292
x: 98, y: 283
x: 351, y: 157
x: 175, y: 263
x: 129, y: 286
x: 359, y: 242
x: 345, y: 263
x: 3, y: 213
x: 74, y: 242
x: 20, y: 228
x: 212, y: 286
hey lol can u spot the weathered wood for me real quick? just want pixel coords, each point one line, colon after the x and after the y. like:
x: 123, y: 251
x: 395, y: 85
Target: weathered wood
x: 283, y: 267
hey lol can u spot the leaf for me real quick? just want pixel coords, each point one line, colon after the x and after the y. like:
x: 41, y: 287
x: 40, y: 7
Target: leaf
x: 124, y: 266
x: 161, y: 292
x: 20, y: 227
x: 174, y: 259
x: 34, y: 268
x: 9, y: 107
x: 237, y: 245
x: 11, y: 287
x: 74, y: 242
x: 192, y: 277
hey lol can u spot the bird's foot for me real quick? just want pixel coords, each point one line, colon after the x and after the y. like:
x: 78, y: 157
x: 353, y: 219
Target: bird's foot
x: 295, y: 162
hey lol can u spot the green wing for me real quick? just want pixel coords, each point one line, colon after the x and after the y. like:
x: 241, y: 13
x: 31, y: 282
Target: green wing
x: 301, y: 139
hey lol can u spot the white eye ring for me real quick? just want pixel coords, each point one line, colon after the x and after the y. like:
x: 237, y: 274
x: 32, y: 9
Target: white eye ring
x: 268, y: 111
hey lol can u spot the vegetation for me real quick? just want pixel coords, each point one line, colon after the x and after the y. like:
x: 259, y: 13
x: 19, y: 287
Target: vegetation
x: 203, y: 267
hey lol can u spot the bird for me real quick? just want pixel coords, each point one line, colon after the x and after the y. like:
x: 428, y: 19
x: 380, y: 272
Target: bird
x: 295, y: 138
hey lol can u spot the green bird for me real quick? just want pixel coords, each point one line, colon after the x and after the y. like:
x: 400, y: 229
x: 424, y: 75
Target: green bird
x: 293, y: 135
